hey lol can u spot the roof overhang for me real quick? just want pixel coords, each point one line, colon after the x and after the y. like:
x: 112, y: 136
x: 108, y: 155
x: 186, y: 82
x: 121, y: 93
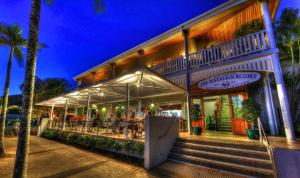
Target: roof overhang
x: 199, y: 24
x: 142, y: 84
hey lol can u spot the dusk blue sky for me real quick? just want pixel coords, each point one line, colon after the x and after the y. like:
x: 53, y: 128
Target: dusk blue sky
x: 78, y: 39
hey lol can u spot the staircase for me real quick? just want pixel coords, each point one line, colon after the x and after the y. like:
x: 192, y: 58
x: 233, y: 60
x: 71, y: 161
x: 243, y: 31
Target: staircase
x: 237, y: 158
x: 224, y: 122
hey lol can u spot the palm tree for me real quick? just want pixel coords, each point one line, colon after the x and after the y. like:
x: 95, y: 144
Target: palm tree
x: 10, y: 36
x: 20, y: 168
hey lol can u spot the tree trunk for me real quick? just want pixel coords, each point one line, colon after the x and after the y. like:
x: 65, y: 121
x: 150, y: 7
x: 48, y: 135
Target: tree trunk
x: 5, y: 102
x: 20, y: 169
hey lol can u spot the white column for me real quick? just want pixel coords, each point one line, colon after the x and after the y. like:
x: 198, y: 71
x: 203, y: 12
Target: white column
x: 283, y: 99
x: 187, y: 79
x: 269, y: 106
x: 65, y: 116
x: 51, y: 115
x: 87, y: 113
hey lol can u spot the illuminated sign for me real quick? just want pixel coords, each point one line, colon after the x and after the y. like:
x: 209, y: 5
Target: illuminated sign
x: 229, y: 80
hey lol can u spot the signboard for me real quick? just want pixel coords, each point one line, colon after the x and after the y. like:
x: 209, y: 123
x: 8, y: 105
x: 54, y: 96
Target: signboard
x: 229, y: 80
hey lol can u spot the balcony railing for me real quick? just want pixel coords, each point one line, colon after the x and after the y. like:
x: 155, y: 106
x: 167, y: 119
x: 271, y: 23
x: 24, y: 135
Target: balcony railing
x: 242, y: 46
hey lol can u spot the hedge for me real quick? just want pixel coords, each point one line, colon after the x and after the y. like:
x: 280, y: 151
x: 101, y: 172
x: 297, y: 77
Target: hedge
x: 134, y: 148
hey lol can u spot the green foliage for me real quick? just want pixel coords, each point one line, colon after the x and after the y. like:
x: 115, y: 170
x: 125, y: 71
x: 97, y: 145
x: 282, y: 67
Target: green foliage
x: 210, y: 122
x: 196, y: 112
x: 250, y: 27
x: 14, y: 110
x: 90, y: 141
x: 72, y: 138
x: 51, y: 134
x: 11, y: 36
x: 49, y: 88
x: 250, y: 110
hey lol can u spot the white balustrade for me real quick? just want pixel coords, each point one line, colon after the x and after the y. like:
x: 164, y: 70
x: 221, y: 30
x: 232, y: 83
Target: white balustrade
x: 242, y: 46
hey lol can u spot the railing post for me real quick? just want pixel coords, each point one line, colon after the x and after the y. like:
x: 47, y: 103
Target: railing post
x: 282, y: 96
x: 187, y: 79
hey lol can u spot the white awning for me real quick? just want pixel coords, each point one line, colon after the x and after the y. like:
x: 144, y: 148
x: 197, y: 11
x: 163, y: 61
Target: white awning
x: 143, y: 83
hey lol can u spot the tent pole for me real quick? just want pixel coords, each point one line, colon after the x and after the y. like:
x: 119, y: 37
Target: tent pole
x: 87, y: 112
x: 127, y: 111
x: 51, y: 115
x: 65, y: 116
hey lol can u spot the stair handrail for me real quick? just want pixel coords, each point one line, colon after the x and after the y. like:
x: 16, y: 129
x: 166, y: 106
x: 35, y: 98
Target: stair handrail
x: 263, y: 138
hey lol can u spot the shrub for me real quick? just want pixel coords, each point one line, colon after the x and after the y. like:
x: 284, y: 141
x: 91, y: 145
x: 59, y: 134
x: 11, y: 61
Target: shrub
x: 86, y: 140
x: 250, y: 110
x: 49, y: 134
x: 117, y: 145
x: 72, y: 138
x: 139, y: 148
x: 95, y: 142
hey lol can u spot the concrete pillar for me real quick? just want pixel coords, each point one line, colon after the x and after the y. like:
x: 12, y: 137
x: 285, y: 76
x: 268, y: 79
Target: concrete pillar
x: 87, y: 112
x: 51, y: 115
x: 283, y: 99
x: 141, y: 58
x: 65, y: 116
x: 187, y: 80
x: 270, y: 106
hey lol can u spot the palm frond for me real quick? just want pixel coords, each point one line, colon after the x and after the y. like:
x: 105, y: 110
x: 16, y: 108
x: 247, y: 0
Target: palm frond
x: 18, y: 54
x: 98, y: 6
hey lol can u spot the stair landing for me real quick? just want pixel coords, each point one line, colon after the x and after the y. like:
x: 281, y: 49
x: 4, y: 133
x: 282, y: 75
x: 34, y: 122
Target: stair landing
x: 219, y: 136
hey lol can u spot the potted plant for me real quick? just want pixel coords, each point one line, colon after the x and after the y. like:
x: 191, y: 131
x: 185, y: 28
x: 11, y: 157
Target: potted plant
x: 196, y: 120
x: 251, y: 110
x: 210, y: 122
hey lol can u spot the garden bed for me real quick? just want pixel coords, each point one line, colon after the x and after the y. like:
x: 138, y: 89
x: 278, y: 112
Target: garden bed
x: 125, y: 147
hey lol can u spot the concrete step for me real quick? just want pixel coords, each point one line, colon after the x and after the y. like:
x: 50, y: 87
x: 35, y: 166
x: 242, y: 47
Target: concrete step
x: 225, y: 166
x: 251, y: 146
x: 177, y: 169
x: 225, y: 150
x: 241, y: 160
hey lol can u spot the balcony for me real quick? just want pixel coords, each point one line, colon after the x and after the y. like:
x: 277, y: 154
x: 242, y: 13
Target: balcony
x: 249, y: 44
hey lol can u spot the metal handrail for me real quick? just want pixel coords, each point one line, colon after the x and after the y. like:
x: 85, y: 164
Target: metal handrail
x: 264, y: 140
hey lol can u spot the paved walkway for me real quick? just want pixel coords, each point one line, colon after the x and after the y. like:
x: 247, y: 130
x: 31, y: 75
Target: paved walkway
x: 53, y: 159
